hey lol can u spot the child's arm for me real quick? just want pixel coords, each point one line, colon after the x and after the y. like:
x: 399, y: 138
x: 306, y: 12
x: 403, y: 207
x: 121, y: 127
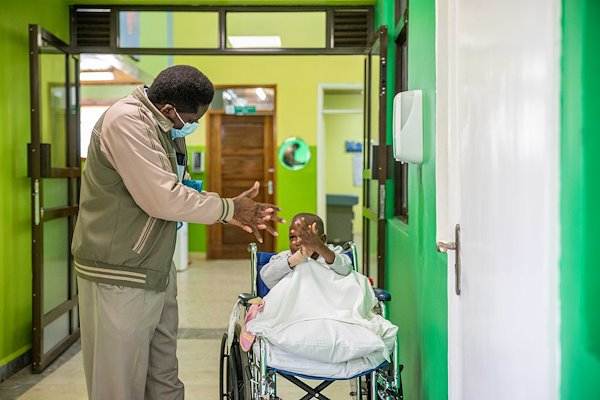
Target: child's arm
x: 312, y: 242
x: 341, y: 264
x: 279, y: 266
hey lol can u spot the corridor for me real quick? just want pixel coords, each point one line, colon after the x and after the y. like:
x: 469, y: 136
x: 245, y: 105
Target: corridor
x: 206, y: 292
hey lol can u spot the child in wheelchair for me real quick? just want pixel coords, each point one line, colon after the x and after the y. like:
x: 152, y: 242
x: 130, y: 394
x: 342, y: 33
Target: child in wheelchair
x: 307, y: 241
x: 316, y: 321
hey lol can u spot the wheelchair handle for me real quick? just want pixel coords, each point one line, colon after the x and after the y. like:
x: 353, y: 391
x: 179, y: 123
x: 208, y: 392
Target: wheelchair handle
x: 252, y: 249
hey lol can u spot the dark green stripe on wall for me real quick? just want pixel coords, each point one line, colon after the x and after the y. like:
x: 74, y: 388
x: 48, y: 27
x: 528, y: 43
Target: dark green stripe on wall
x: 580, y: 191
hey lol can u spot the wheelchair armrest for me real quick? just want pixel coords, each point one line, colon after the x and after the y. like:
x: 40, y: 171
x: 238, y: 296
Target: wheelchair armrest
x: 245, y: 298
x: 382, y: 295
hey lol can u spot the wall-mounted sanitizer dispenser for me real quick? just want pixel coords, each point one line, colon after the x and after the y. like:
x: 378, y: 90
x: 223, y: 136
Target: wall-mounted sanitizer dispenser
x: 408, y: 126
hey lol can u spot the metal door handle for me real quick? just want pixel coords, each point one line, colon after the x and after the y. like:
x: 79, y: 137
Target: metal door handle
x: 381, y: 215
x: 270, y: 187
x: 36, y: 202
x: 443, y: 247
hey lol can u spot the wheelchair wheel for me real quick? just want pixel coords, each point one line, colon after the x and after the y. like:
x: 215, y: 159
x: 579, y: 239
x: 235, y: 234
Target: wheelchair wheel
x: 383, y: 393
x: 234, y: 378
x: 224, y: 386
x: 364, y: 389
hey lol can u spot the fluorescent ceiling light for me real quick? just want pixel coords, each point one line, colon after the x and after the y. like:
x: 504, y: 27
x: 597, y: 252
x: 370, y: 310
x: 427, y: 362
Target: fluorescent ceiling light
x: 261, y: 94
x: 93, y: 64
x: 254, y: 42
x: 97, y: 76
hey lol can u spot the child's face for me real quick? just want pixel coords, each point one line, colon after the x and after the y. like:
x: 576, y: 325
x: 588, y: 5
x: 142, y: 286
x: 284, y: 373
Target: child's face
x: 294, y: 240
x: 297, y: 228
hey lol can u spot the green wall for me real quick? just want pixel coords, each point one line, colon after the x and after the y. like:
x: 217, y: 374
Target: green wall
x: 197, y: 232
x: 15, y: 237
x: 231, y: 2
x: 416, y: 273
x: 580, y: 191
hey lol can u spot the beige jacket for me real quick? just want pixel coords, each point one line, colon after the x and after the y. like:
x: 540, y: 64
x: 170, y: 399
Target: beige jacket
x: 131, y: 198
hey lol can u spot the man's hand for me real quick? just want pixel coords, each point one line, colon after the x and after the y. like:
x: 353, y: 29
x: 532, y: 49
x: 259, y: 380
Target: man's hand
x: 252, y: 216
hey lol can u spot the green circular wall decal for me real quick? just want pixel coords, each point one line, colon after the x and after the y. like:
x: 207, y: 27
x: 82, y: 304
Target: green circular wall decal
x: 294, y: 153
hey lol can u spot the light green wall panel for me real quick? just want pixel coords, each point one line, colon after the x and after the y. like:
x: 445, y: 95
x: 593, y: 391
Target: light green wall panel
x: 154, y: 31
x: 233, y: 2
x: 295, y: 30
x: 197, y: 232
x: 15, y: 236
x: 296, y: 193
x: 580, y: 191
x: 338, y: 162
x: 105, y: 92
x: 196, y: 29
x: 334, y: 101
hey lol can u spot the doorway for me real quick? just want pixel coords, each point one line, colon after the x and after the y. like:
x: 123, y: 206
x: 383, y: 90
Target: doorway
x: 241, y: 147
x: 340, y: 160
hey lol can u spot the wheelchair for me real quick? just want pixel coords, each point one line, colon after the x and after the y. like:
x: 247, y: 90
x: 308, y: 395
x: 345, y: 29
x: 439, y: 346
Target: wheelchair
x: 246, y: 376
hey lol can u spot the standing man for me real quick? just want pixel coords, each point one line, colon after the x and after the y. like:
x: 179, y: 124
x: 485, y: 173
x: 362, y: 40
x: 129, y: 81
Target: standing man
x: 131, y: 201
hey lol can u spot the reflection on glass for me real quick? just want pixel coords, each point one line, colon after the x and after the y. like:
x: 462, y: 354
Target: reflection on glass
x: 55, y: 193
x: 373, y: 250
x: 56, y: 263
x: 244, y: 100
x: 372, y: 187
x: 73, y: 109
x: 276, y: 29
x: 182, y: 29
x: 55, y: 332
x: 374, y: 99
x: 53, y: 106
x: 373, y: 191
x: 294, y: 153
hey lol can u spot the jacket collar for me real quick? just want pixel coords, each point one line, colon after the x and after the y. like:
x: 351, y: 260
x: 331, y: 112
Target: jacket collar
x: 165, y: 123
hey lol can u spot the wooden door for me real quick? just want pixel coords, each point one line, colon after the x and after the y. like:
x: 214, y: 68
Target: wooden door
x: 240, y: 152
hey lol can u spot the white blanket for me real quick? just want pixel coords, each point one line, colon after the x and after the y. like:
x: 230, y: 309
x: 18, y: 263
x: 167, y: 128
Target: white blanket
x: 315, y: 314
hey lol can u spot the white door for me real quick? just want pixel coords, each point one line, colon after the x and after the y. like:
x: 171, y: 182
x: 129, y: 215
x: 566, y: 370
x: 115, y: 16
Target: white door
x: 498, y: 87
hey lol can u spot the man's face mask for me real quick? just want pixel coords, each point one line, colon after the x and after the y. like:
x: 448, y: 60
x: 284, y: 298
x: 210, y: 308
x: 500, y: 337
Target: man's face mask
x: 187, y: 128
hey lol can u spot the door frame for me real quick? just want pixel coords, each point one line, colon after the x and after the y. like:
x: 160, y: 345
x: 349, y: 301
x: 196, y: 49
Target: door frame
x: 37, y: 171
x: 321, y: 147
x: 212, y: 168
x: 379, y: 171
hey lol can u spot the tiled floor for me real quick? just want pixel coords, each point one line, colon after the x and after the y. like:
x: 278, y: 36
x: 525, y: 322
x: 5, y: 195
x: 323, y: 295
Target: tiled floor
x: 207, y: 292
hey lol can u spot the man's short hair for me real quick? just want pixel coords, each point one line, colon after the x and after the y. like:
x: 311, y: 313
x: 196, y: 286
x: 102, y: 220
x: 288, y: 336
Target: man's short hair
x: 183, y: 86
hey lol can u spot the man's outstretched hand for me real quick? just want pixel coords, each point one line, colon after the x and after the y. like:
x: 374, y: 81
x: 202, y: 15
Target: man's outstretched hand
x: 252, y: 216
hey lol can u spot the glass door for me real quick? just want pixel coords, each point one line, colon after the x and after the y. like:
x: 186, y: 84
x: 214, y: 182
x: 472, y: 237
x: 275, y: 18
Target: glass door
x: 54, y: 169
x: 375, y: 159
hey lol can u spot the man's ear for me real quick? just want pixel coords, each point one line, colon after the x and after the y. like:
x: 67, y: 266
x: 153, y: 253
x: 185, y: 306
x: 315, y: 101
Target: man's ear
x: 324, y: 238
x: 166, y: 108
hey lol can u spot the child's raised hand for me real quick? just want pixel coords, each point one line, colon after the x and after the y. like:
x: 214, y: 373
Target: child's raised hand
x: 307, y: 236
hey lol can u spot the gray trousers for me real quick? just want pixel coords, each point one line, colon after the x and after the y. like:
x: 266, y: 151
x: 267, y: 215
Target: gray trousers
x: 129, y: 341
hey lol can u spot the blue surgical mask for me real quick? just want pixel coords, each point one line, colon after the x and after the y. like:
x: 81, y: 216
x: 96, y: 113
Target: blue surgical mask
x: 187, y: 128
